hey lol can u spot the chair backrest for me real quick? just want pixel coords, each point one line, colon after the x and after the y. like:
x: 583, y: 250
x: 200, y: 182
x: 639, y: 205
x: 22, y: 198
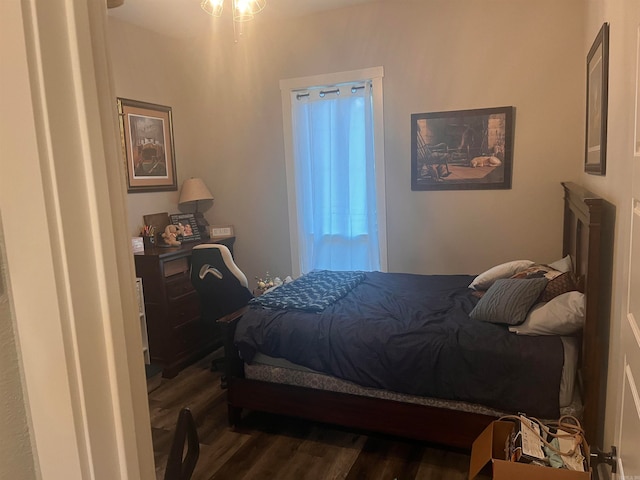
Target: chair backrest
x: 221, y: 285
x: 180, y: 466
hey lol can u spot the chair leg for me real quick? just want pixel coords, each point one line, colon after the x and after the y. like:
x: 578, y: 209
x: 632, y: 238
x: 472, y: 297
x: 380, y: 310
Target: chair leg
x: 217, y: 364
x: 179, y: 467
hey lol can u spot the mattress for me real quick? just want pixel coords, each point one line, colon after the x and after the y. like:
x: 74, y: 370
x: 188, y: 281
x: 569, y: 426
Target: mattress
x: 282, y: 371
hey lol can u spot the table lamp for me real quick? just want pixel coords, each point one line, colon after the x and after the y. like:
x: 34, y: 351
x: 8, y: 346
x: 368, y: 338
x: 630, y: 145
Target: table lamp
x: 194, y: 190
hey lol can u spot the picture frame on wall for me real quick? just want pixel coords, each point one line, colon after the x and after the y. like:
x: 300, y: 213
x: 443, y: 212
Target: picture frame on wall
x: 146, y: 132
x: 462, y: 150
x: 595, y: 161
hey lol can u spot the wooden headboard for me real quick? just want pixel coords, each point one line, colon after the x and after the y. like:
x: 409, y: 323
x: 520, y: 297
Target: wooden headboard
x: 588, y: 237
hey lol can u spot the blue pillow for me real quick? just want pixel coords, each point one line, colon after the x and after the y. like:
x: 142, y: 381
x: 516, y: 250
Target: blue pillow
x: 508, y: 300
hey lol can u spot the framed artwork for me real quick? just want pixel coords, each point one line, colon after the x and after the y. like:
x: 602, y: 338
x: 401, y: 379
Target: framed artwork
x: 462, y: 150
x: 188, y: 221
x: 597, y: 93
x: 146, y: 132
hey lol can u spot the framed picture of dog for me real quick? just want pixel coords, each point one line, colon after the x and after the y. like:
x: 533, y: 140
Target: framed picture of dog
x: 462, y: 150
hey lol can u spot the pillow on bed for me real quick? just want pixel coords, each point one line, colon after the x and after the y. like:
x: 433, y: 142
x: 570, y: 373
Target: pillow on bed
x: 538, y: 270
x: 504, y: 270
x: 563, y: 283
x: 508, y: 300
x: 563, y: 265
x: 559, y: 282
x: 564, y: 315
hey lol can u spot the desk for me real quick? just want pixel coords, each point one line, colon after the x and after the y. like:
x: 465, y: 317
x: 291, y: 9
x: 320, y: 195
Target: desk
x: 177, y: 334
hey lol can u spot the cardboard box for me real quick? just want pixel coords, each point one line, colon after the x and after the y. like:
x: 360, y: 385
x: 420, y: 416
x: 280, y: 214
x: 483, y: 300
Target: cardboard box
x: 488, y: 448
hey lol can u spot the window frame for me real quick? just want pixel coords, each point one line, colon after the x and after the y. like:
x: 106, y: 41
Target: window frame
x: 373, y: 74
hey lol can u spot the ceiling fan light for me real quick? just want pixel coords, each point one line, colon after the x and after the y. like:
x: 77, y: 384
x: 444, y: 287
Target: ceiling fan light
x: 244, y: 10
x: 212, y: 7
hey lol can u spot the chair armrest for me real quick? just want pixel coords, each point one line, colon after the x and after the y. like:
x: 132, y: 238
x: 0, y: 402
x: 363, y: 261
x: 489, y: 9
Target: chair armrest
x: 233, y: 316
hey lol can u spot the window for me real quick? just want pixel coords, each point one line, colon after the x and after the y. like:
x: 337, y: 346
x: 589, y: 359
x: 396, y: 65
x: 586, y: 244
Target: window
x: 335, y: 171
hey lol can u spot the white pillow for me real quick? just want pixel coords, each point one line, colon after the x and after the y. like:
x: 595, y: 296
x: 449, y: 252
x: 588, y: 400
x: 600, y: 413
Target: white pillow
x: 563, y: 265
x: 504, y: 270
x: 563, y: 315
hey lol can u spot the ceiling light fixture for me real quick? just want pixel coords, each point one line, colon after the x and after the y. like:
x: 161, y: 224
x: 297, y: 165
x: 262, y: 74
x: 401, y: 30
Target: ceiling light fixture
x: 243, y: 10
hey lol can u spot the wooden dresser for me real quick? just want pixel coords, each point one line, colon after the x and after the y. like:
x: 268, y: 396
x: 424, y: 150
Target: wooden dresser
x: 177, y: 334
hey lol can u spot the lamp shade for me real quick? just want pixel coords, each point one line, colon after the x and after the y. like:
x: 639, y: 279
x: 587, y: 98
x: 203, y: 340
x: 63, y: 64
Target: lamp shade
x: 194, y: 190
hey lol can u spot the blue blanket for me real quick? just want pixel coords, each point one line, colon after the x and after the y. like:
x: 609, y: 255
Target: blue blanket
x: 312, y: 292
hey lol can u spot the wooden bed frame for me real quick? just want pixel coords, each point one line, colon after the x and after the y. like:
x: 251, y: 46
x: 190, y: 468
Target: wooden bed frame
x: 586, y: 237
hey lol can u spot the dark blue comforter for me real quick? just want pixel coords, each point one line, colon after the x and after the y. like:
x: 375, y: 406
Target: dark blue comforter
x: 412, y: 334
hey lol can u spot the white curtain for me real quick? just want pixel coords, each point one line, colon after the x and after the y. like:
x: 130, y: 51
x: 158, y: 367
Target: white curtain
x: 335, y: 178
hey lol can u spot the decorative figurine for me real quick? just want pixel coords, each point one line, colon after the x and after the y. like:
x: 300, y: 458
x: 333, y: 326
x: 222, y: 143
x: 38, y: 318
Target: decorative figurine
x: 171, y: 234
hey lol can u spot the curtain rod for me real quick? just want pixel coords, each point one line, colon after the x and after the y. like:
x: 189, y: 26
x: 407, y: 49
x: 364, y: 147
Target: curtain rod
x: 322, y: 93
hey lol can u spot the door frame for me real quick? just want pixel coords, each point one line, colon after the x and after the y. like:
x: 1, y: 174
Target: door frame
x: 70, y: 268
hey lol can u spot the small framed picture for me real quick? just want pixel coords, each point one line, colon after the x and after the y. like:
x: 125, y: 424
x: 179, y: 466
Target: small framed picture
x: 220, y: 231
x: 188, y: 221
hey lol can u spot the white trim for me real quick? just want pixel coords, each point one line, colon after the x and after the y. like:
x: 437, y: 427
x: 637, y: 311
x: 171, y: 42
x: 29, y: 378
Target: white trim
x: 57, y: 448
x: 378, y: 119
x: 375, y: 74
x: 291, y: 181
x: 70, y: 267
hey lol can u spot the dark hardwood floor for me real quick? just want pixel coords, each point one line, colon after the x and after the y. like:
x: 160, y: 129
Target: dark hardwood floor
x: 268, y: 446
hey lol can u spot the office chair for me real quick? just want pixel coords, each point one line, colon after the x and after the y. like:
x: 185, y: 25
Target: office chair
x: 180, y: 466
x: 221, y: 285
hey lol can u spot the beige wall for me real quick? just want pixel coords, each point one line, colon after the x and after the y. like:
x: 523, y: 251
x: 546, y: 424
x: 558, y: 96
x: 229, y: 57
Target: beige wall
x: 151, y: 68
x: 71, y: 274
x: 437, y: 55
x: 444, y: 55
x: 624, y: 19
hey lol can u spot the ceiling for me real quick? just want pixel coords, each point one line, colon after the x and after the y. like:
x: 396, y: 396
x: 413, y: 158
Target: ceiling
x: 183, y: 18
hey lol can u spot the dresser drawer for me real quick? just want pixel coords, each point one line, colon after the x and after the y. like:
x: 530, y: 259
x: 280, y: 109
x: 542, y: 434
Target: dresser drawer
x: 184, y: 310
x: 192, y: 336
x: 177, y: 266
x: 178, y: 287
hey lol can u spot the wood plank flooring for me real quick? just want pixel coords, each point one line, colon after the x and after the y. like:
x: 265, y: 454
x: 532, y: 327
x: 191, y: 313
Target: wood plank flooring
x: 275, y: 447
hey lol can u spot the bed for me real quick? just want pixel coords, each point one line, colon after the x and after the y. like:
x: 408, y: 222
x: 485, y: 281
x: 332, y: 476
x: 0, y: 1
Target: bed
x: 423, y: 356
